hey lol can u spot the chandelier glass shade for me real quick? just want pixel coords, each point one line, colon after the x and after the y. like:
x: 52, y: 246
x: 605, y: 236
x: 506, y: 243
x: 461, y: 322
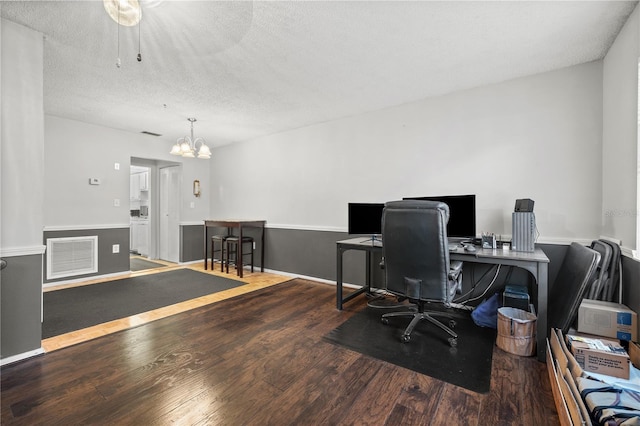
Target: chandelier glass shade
x: 124, y: 12
x: 190, y: 147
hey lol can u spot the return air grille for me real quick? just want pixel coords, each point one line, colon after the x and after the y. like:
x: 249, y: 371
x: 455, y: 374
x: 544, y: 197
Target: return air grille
x: 67, y: 257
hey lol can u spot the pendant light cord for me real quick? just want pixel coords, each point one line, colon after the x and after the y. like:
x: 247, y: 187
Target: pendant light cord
x: 118, y: 60
x: 139, y: 34
x: 139, y: 57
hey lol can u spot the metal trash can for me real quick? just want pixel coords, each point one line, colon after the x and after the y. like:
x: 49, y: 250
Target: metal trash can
x: 516, y: 331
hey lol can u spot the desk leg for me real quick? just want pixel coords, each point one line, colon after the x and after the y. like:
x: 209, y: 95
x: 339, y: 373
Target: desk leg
x: 340, y: 301
x: 543, y: 291
x: 368, y: 273
x: 205, y: 249
x: 339, y: 279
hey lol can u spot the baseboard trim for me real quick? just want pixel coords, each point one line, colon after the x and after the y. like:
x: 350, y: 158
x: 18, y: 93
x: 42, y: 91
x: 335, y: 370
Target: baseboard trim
x: 307, y: 277
x: 20, y: 357
x: 85, y: 278
x: 57, y: 228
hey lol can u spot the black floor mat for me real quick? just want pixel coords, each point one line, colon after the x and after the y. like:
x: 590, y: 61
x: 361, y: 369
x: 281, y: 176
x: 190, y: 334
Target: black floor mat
x: 468, y: 365
x: 81, y: 307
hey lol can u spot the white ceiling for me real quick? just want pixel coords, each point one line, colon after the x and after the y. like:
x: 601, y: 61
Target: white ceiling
x: 246, y: 69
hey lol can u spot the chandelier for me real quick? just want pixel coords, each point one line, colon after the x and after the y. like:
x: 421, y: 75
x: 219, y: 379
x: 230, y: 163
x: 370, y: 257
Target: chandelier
x: 124, y: 12
x: 188, y: 146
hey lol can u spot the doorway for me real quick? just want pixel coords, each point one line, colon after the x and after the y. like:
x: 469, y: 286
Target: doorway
x: 163, y: 231
x: 170, y: 178
x: 140, y: 190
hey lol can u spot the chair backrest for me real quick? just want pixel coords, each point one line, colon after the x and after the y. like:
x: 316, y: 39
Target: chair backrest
x: 613, y: 285
x: 602, y: 272
x: 416, y: 249
x: 571, y: 285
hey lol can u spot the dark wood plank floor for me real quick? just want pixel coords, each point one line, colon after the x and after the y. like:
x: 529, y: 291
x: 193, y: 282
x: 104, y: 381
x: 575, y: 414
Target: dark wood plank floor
x: 257, y: 359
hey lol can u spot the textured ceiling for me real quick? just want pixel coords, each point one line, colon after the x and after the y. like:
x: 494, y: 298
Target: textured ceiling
x: 246, y: 69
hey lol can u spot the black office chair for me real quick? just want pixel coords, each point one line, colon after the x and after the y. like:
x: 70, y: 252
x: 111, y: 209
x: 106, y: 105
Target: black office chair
x: 596, y: 290
x: 416, y: 261
x: 571, y: 285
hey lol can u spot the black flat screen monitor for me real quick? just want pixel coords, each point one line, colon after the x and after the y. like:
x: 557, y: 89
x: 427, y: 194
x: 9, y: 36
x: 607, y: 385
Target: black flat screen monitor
x: 365, y: 218
x: 462, y: 214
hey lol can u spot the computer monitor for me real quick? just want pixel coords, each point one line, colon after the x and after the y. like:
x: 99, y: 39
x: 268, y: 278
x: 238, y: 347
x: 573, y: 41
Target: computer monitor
x: 462, y: 214
x: 365, y: 219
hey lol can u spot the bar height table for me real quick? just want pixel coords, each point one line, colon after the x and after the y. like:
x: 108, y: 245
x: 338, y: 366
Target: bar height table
x: 230, y: 224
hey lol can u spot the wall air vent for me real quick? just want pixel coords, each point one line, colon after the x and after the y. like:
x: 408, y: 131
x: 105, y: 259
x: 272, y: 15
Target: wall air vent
x: 144, y: 132
x: 70, y: 256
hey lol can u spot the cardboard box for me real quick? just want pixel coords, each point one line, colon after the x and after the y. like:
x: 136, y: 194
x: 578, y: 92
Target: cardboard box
x: 607, y: 319
x: 599, y: 356
x: 634, y: 354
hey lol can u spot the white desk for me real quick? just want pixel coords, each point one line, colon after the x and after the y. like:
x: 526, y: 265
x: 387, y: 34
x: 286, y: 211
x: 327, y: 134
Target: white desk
x: 536, y: 263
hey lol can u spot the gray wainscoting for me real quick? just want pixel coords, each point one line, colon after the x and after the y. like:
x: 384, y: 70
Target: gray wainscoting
x: 313, y: 254
x: 20, y: 305
x: 108, y: 262
x: 302, y: 252
x: 191, y: 242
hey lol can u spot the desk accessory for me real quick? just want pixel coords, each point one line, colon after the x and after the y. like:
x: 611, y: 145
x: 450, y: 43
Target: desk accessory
x: 523, y: 223
x: 524, y: 231
x: 516, y: 296
x: 489, y: 241
x: 524, y: 205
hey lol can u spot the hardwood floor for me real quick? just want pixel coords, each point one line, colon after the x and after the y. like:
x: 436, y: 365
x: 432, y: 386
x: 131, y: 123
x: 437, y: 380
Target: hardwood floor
x: 258, y: 359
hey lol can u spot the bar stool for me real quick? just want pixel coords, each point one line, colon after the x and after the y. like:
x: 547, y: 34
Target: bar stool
x: 218, y: 239
x: 231, y: 246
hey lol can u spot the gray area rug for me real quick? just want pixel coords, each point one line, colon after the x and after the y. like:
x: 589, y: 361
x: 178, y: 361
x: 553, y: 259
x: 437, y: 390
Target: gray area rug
x: 81, y: 307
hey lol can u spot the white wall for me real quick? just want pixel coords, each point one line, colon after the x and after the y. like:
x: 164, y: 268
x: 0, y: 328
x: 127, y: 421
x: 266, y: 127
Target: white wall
x: 76, y: 151
x: 536, y: 137
x: 620, y: 135
x: 21, y: 152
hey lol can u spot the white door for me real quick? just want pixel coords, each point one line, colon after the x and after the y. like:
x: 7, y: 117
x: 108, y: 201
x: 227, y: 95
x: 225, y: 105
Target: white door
x: 169, y: 212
